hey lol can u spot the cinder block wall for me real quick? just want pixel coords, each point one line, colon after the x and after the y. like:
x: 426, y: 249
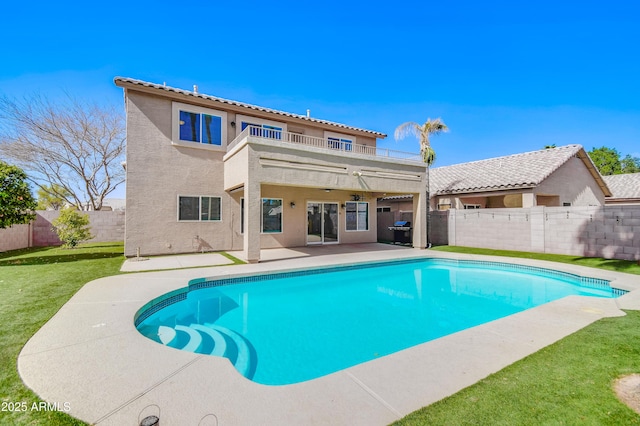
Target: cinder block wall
x: 439, y: 227
x: 611, y: 232
x: 14, y: 237
x: 105, y: 226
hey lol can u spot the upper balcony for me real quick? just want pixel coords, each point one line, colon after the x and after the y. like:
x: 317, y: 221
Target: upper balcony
x: 331, y: 145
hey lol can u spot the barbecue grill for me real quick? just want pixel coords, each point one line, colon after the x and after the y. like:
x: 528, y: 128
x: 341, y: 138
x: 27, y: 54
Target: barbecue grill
x: 401, y: 232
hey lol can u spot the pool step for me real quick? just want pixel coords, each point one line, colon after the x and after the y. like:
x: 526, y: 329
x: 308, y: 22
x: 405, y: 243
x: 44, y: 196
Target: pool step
x: 219, y: 344
x: 242, y: 353
x: 195, y: 338
x: 166, y: 334
x: 208, y: 338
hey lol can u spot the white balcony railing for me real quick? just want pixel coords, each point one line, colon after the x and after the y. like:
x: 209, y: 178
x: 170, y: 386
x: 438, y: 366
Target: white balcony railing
x: 328, y: 144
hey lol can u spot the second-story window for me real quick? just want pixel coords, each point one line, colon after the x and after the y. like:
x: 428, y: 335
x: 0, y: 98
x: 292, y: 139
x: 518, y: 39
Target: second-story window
x: 199, y: 127
x: 263, y: 130
x: 260, y: 127
x: 196, y: 126
x: 340, y: 143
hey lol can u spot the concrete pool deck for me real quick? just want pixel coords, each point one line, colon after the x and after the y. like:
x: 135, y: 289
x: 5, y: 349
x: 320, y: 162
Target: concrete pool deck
x: 90, y: 358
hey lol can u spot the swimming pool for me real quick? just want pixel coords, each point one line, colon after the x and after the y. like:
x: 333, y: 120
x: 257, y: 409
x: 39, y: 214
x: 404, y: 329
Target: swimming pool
x: 294, y: 326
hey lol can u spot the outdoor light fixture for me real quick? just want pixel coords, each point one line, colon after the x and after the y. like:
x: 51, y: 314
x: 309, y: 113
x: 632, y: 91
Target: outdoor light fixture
x: 233, y: 124
x: 293, y: 205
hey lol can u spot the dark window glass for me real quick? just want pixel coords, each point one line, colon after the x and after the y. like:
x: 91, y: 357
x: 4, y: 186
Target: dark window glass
x: 189, y: 208
x: 242, y: 215
x: 210, y: 208
x: 212, y: 129
x: 271, y: 215
x: 357, y: 216
x: 363, y: 216
x: 352, y: 216
x: 189, y: 126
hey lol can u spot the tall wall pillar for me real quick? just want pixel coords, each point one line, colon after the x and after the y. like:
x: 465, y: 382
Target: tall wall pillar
x: 420, y: 206
x: 536, y: 220
x: 452, y: 227
x: 253, y: 212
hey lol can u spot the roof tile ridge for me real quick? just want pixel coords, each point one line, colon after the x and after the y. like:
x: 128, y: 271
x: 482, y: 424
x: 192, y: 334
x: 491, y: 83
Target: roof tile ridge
x: 244, y: 104
x: 574, y: 149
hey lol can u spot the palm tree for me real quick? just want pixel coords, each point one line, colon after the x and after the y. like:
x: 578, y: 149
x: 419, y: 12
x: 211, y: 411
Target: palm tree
x: 423, y: 132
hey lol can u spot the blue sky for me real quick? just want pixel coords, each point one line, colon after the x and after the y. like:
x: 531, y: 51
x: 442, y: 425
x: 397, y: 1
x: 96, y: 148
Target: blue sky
x: 505, y: 76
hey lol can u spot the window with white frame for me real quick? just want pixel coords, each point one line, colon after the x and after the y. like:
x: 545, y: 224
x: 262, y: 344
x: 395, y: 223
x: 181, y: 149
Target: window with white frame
x: 271, y: 221
x: 260, y: 127
x: 383, y: 209
x: 197, y: 125
x: 199, y: 208
x: 357, y: 216
x: 263, y: 130
x: 340, y: 141
x: 472, y: 206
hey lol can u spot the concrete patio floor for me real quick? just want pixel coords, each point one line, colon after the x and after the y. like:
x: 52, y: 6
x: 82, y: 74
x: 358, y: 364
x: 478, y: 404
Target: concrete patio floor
x: 90, y: 355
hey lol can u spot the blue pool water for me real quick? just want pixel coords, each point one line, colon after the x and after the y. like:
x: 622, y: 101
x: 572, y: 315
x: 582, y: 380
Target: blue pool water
x: 291, y: 327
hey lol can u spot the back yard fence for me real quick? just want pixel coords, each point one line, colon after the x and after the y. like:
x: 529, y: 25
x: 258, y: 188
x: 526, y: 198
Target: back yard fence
x: 105, y: 226
x: 611, y: 232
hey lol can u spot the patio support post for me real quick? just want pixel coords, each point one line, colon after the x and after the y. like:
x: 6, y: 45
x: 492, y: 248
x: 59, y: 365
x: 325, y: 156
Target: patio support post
x: 253, y: 212
x: 420, y: 206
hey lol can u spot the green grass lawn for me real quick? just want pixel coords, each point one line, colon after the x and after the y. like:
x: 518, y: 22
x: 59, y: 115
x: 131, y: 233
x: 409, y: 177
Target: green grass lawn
x: 625, y: 266
x: 34, y: 284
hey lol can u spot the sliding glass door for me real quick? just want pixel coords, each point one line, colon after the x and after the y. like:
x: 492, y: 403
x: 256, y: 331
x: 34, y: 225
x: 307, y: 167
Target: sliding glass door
x: 322, y: 223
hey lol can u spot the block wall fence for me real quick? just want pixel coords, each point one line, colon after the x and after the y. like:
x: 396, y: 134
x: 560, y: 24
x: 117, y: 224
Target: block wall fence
x: 105, y: 226
x: 612, y: 232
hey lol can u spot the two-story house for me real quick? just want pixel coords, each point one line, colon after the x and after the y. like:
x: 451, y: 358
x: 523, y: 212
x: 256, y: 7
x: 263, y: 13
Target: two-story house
x: 206, y: 173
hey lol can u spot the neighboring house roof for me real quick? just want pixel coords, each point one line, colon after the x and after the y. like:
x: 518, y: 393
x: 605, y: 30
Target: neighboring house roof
x: 519, y: 171
x: 115, y: 203
x: 626, y: 186
x: 130, y: 82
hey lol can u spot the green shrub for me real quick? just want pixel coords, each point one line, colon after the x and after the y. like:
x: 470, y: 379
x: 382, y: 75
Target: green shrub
x: 72, y: 227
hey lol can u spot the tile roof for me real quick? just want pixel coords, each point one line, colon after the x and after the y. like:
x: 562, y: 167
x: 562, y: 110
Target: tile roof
x: 398, y: 197
x: 517, y: 171
x: 125, y: 81
x: 624, y: 186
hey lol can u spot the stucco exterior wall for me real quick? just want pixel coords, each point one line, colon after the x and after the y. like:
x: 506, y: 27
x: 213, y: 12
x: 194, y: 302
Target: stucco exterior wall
x: 574, y: 184
x: 159, y: 171
x: 281, y: 164
x: 294, y: 233
x: 570, y: 183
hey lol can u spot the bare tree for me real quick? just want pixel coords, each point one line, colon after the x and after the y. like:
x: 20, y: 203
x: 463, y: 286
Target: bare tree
x: 75, y: 146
